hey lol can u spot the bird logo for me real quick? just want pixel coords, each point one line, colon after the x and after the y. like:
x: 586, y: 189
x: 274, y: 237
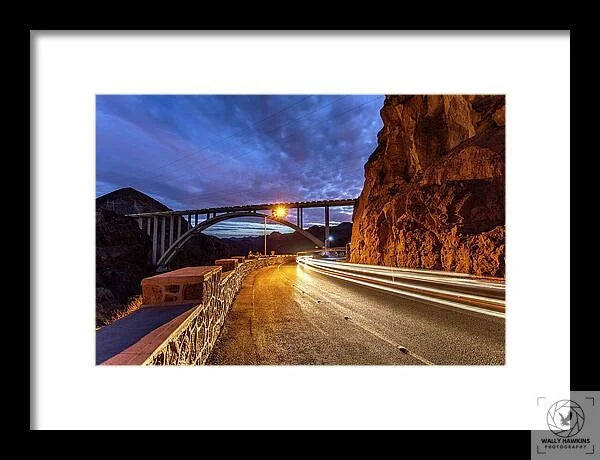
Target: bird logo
x: 564, y: 421
x: 565, y: 418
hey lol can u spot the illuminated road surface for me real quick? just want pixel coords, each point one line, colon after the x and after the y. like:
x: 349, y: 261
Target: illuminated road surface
x: 289, y: 314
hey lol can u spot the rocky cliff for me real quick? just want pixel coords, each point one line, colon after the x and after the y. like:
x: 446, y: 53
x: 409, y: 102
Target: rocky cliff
x: 122, y: 250
x: 122, y: 260
x: 433, y: 195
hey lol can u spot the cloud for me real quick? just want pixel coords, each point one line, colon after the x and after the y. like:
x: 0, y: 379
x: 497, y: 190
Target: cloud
x: 200, y: 151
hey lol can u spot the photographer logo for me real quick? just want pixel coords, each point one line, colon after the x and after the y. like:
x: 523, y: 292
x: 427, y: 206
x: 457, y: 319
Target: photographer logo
x: 565, y: 418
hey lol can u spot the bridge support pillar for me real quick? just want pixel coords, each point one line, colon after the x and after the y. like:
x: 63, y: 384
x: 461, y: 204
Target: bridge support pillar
x: 149, y: 226
x: 141, y: 223
x: 189, y: 220
x: 179, y: 219
x: 326, y: 227
x: 171, y: 230
x: 163, y: 234
x: 155, y: 240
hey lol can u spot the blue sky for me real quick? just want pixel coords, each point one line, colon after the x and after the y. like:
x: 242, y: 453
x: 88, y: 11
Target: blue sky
x: 201, y: 151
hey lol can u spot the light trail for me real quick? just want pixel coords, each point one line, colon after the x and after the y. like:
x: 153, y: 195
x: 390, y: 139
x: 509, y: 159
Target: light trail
x: 464, y: 299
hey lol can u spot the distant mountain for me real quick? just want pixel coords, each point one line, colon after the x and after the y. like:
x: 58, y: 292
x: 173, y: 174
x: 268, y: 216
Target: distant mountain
x: 204, y: 249
x: 294, y: 242
x: 129, y: 201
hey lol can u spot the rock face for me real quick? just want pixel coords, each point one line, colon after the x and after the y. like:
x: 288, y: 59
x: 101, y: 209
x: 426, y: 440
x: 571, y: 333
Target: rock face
x: 433, y: 195
x: 122, y: 260
x: 122, y: 250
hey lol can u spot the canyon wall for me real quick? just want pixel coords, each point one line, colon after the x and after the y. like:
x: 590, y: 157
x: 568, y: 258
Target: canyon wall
x: 433, y: 196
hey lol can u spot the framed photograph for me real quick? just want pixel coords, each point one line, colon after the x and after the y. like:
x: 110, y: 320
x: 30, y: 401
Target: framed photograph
x: 303, y: 230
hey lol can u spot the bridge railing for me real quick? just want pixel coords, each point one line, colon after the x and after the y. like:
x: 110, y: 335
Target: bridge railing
x: 253, y: 207
x: 325, y: 253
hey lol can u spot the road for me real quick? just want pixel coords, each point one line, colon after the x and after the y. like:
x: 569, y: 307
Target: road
x: 288, y: 314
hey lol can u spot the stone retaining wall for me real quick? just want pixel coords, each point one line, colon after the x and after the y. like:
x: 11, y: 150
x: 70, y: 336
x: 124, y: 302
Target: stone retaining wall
x: 192, y: 341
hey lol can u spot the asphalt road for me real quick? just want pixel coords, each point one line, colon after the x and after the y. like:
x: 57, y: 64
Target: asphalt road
x: 287, y: 314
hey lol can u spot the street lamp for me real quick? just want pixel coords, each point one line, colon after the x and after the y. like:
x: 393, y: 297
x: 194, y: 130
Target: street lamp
x: 279, y: 212
x: 329, y: 238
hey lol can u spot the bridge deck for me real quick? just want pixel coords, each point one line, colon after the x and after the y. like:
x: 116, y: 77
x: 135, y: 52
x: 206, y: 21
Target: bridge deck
x: 253, y: 207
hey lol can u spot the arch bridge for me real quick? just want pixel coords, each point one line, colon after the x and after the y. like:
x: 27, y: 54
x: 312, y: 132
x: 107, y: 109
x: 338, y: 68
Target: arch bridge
x: 171, y: 230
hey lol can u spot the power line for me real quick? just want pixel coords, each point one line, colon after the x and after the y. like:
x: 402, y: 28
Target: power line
x: 224, y: 139
x: 219, y: 140
x: 236, y: 157
x: 233, y: 135
x: 294, y: 172
x: 342, y: 165
x: 254, y: 125
x: 233, y: 194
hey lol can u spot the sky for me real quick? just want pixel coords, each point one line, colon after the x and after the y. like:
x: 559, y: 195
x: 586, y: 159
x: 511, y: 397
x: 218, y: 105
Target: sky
x: 199, y: 151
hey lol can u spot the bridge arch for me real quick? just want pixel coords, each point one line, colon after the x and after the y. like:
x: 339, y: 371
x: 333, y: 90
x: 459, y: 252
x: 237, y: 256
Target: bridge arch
x: 183, y: 239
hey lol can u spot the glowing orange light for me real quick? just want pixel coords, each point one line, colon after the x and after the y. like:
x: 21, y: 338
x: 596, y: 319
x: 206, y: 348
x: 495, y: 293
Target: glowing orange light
x: 280, y: 212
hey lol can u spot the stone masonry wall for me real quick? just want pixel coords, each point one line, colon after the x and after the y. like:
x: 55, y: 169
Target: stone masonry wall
x: 192, y: 342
